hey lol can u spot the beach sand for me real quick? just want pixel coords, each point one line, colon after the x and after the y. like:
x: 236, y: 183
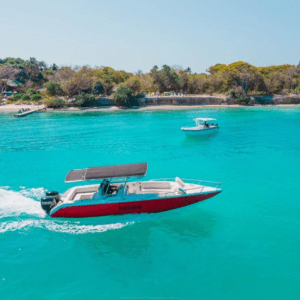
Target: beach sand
x: 15, y: 108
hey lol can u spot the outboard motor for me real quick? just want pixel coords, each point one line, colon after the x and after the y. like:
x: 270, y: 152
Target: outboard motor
x: 54, y: 194
x: 49, y: 201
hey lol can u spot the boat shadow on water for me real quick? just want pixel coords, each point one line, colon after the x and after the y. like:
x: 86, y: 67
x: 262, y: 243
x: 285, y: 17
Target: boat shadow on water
x: 136, y: 239
x: 196, y: 139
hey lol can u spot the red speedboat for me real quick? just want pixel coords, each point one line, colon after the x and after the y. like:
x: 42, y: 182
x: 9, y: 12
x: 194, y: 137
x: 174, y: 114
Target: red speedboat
x: 116, y: 195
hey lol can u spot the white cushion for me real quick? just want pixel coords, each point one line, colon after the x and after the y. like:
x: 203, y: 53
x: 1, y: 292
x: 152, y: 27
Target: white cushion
x: 179, y: 182
x: 156, y: 185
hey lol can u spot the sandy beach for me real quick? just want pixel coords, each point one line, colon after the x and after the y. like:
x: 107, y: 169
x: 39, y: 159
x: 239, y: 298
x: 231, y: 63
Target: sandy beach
x: 12, y: 108
x: 16, y: 108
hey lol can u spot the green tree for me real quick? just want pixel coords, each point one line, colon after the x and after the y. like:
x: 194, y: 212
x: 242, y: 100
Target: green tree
x: 15, y: 62
x: 75, y: 82
x: 198, y: 83
x: 124, y: 96
x: 110, y: 77
x: 239, y: 74
x: 57, y: 103
x: 244, y: 100
x: 154, y: 69
x: 239, y: 77
x: 42, y: 66
x: 36, y: 97
x: 184, y: 83
x: 134, y: 83
x: 84, y: 99
x: 31, y: 91
x: 147, y: 83
x: 32, y: 68
x: 54, y: 67
x: 98, y: 88
x: 17, y: 96
x: 166, y: 79
x: 26, y: 97
x: 54, y: 88
x: 188, y: 70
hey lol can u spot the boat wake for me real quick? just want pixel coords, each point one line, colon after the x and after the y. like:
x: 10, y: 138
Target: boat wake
x: 21, y: 211
x: 64, y: 227
x: 14, y: 204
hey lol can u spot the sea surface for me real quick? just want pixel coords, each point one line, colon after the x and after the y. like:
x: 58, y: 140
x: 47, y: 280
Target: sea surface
x: 241, y: 244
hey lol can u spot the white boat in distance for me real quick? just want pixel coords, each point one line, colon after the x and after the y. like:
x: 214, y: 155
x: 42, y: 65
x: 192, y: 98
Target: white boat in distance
x: 204, y: 126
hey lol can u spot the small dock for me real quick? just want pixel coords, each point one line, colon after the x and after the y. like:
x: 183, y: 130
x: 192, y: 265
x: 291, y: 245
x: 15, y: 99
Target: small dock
x: 28, y: 112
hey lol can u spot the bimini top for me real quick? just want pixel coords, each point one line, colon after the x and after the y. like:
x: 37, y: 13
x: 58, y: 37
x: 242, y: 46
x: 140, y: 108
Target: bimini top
x: 130, y: 170
x: 204, y: 119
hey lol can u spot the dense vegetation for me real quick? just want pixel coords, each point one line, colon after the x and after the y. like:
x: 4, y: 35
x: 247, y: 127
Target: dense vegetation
x: 34, y: 80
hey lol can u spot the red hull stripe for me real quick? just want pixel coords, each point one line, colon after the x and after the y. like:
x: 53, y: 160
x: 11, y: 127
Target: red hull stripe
x: 136, y: 207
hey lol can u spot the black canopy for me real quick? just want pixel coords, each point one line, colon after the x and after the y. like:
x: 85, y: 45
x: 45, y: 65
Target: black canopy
x: 130, y: 170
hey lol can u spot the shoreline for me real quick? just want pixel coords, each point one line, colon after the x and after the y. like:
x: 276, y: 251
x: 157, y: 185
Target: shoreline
x: 11, y: 108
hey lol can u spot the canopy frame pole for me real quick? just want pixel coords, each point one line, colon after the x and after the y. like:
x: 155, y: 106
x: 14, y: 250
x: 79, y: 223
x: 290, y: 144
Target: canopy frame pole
x: 125, y: 182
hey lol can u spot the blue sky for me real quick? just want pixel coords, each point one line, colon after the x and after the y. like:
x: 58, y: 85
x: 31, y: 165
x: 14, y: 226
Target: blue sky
x: 132, y: 34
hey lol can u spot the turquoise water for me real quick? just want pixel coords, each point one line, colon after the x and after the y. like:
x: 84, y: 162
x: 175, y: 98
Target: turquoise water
x: 241, y: 244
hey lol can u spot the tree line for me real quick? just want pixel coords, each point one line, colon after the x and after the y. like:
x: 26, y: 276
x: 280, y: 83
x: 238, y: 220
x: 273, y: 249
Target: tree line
x: 85, y: 84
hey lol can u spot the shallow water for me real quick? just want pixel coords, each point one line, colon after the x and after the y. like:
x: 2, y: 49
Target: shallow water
x: 241, y: 244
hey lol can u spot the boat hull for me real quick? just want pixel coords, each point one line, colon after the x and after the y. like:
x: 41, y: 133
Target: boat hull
x: 132, y: 207
x: 197, y: 132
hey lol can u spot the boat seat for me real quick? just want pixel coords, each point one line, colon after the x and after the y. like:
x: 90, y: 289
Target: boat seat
x: 66, y: 193
x: 81, y: 190
x: 156, y: 185
x: 133, y: 188
x: 144, y: 187
x: 179, y: 182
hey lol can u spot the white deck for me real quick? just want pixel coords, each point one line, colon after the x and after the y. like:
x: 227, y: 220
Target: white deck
x: 137, y: 191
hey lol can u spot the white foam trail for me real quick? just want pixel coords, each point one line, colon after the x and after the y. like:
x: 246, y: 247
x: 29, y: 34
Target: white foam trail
x: 23, y: 206
x: 14, y: 225
x: 17, y: 203
x: 33, y: 193
x: 80, y: 229
x: 65, y: 227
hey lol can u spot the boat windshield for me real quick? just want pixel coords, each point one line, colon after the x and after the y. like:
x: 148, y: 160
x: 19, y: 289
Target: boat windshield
x: 206, y: 122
